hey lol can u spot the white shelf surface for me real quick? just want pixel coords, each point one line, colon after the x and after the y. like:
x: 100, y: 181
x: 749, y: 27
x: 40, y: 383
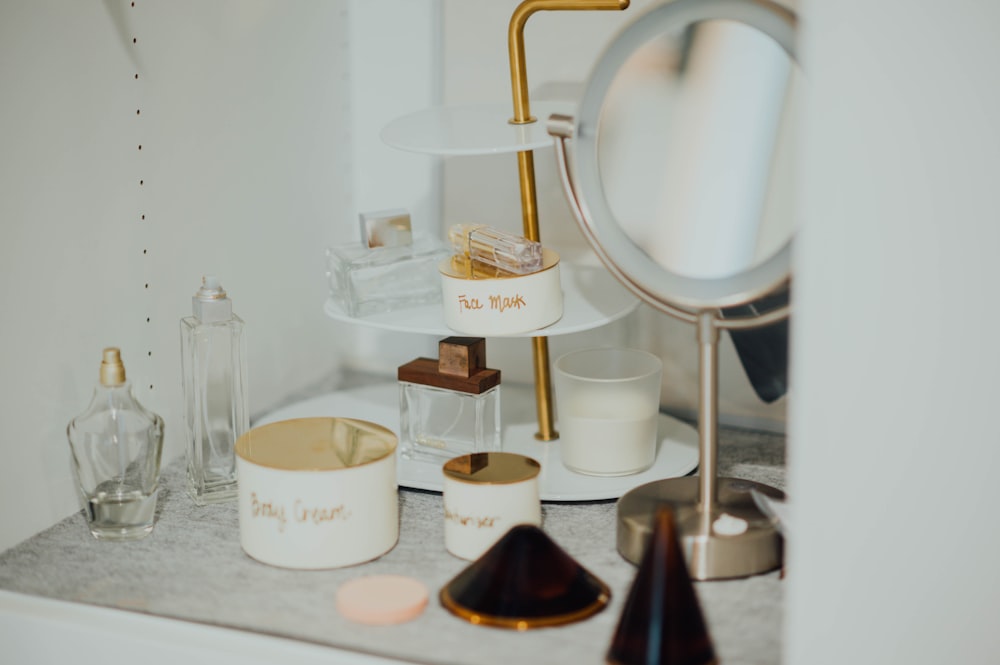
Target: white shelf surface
x: 591, y: 299
x: 480, y: 129
x: 677, y: 454
x: 43, y: 630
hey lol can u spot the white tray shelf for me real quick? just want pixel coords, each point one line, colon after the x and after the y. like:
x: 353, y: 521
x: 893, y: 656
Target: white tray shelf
x: 481, y: 129
x: 591, y: 298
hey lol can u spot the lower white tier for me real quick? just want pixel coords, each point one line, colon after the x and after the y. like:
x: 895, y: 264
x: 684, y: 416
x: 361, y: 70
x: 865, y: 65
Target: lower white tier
x: 677, y: 454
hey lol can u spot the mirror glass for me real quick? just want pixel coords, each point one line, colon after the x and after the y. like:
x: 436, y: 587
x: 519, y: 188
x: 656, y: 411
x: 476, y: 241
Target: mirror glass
x: 678, y: 180
x: 694, y: 147
x: 682, y: 169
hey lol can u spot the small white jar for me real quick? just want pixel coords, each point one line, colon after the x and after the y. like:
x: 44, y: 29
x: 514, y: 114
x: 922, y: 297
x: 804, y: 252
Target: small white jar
x: 487, y: 302
x: 485, y: 494
x: 317, y: 492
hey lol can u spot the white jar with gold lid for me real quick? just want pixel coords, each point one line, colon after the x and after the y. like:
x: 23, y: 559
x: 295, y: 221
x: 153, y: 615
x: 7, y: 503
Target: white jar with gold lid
x: 485, y: 301
x: 317, y: 492
x: 485, y: 494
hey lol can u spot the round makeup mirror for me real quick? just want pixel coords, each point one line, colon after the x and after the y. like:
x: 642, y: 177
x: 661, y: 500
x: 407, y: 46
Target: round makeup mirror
x: 677, y: 169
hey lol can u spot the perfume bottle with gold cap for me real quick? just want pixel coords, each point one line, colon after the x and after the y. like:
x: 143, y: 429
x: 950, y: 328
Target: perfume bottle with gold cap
x: 391, y: 268
x: 116, y: 446
x: 213, y: 364
x: 449, y: 406
x: 494, y: 247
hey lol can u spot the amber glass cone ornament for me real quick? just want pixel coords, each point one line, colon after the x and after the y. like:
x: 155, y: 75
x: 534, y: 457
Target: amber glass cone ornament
x: 525, y: 581
x: 662, y: 623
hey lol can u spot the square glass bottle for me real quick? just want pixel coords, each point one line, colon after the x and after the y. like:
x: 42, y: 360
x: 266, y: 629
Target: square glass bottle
x: 449, y: 406
x: 390, y: 269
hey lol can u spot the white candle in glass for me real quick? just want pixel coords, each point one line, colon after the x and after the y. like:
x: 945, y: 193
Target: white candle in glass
x: 608, y: 405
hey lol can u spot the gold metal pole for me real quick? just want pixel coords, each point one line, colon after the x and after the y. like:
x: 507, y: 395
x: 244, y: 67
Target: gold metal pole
x: 515, y: 43
x: 526, y: 175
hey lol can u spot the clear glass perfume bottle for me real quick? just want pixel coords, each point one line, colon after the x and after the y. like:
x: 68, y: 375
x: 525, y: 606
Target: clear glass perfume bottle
x: 213, y: 360
x: 449, y: 406
x: 116, y: 446
x: 391, y: 269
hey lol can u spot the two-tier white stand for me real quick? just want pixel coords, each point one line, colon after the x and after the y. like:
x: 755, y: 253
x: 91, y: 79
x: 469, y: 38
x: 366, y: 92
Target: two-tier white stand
x: 591, y: 298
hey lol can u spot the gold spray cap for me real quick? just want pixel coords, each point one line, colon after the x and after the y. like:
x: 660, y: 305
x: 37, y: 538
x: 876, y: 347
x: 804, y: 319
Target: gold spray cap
x: 112, y: 368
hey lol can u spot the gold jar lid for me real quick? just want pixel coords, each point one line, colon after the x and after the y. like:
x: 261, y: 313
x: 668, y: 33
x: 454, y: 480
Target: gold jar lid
x: 491, y: 468
x: 460, y: 266
x: 316, y: 444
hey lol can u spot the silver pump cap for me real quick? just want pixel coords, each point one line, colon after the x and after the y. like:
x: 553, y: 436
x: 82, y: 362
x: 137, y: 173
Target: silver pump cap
x: 210, y: 303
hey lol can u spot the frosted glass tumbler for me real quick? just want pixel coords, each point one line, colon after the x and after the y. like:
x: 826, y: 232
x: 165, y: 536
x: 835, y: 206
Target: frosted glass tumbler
x: 608, y: 403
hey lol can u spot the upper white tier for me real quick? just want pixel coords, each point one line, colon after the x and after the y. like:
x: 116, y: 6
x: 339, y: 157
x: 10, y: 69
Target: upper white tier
x: 480, y: 129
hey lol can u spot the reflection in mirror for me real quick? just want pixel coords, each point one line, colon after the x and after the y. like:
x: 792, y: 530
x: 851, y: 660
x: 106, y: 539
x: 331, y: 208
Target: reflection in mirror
x: 694, y: 148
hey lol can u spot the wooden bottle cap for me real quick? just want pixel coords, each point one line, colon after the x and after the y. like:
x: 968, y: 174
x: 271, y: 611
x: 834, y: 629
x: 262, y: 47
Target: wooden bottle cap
x: 461, y: 366
x: 461, y: 356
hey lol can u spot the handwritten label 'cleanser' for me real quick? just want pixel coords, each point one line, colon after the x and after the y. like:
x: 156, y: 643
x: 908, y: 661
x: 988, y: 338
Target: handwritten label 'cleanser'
x: 479, y: 522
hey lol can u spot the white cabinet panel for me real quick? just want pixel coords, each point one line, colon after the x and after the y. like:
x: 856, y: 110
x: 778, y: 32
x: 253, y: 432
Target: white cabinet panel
x: 248, y: 168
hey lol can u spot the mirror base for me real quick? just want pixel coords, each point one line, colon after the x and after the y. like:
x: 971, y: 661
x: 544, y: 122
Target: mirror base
x: 729, y: 539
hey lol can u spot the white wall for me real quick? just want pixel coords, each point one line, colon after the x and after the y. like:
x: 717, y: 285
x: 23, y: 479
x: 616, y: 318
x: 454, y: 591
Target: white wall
x: 396, y: 56
x: 249, y: 167
x: 894, y: 439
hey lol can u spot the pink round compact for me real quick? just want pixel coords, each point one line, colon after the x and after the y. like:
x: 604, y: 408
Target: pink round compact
x: 382, y: 599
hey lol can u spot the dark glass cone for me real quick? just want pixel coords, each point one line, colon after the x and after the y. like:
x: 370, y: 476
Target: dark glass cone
x: 662, y: 623
x: 525, y: 581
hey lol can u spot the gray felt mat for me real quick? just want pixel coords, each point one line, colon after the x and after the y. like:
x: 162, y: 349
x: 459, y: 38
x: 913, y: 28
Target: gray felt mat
x: 191, y: 567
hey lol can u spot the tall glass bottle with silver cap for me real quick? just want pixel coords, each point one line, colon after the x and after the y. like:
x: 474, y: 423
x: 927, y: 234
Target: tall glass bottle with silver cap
x: 116, y: 446
x: 213, y: 359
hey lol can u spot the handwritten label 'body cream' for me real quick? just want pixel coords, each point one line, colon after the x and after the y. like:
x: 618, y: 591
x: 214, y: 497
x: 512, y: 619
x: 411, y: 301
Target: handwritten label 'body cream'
x: 301, y: 513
